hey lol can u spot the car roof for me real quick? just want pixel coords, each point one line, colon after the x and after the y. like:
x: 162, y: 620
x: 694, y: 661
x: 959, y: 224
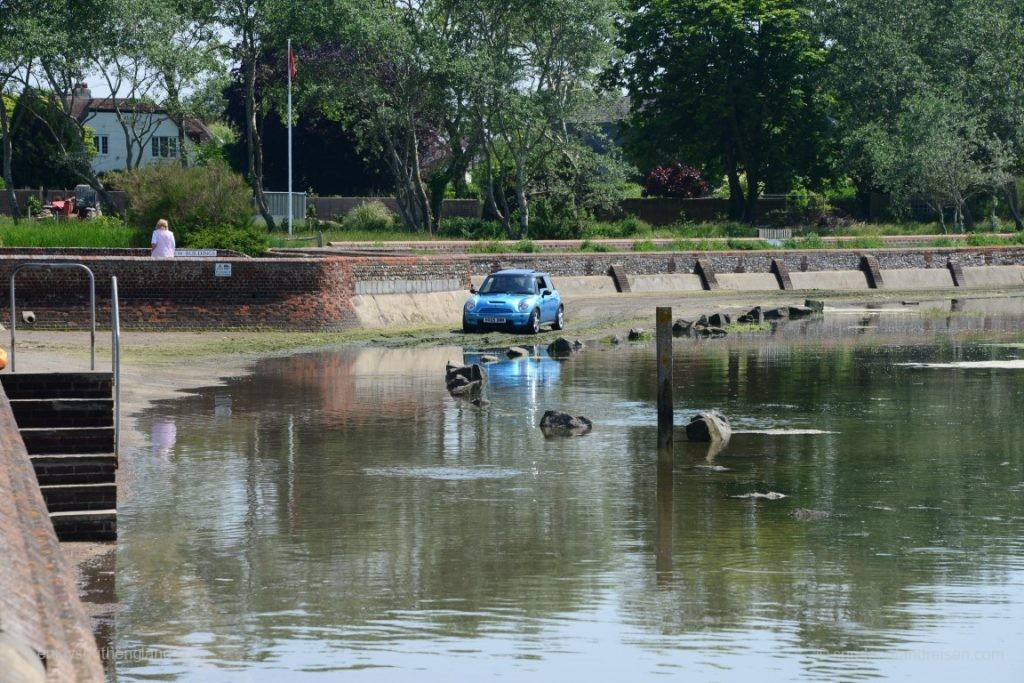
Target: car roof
x: 517, y: 271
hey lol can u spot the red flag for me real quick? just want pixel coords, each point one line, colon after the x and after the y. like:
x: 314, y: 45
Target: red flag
x: 291, y: 63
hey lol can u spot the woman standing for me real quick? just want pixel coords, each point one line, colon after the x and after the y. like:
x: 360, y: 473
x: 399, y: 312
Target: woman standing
x: 162, y: 243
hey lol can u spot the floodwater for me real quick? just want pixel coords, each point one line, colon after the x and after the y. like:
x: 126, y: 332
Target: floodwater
x: 337, y: 516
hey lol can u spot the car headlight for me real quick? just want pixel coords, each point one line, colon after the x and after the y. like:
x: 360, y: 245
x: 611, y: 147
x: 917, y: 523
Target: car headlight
x: 524, y: 305
x: 471, y: 304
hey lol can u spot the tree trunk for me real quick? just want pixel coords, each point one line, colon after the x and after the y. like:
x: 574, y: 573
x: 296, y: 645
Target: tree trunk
x: 750, y: 203
x: 736, y: 198
x: 1013, y: 200
x: 252, y: 139
x: 5, y: 133
x: 966, y: 217
x: 419, y: 193
x: 521, y: 201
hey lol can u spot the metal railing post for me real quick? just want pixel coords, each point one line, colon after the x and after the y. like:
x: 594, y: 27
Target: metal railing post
x: 92, y: 304
x: 115, y: 362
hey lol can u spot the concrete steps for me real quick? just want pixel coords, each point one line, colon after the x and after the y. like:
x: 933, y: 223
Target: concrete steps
x: 66, y: 421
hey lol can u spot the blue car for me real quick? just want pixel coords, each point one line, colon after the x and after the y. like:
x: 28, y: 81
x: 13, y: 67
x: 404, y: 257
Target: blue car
x: 520, y: 299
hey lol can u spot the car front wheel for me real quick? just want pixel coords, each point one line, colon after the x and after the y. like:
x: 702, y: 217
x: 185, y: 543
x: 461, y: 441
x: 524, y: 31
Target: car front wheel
x: 559, y: 319
x: 533, y: 324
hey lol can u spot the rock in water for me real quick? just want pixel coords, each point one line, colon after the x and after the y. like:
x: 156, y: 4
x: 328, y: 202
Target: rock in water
x: 799, y: 311
x: 815, y: 305
x: 636, y: 334
x: 561, y: 348
x: 488, y: 358
x: 516, y: 352
x: 555, y: 423
x: 710, y: 425
x: 753, y: 316
x: 719, y: 320
x: 461, y: 377
x: 682, y: 328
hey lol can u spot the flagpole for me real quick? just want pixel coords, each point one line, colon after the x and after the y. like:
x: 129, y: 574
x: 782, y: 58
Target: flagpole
x: 289, y: 136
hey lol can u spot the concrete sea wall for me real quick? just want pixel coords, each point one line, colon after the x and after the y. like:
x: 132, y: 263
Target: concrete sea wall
x: 328, y: 291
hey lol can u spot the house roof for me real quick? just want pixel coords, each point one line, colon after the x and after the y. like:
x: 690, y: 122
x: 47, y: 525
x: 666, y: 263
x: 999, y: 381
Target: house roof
x: 82, y: 108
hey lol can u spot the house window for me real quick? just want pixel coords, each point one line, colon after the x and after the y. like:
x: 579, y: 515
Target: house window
x: 164, y: 147
x: 102, y: 144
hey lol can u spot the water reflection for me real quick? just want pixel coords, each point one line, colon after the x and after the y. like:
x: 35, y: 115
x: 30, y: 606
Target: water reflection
x: 348, y: 515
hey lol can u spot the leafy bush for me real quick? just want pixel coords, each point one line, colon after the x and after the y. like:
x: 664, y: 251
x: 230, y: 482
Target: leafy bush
x: 644, y: 245
x: 587, y: 245
x: 631, y: 225
x: 191, y: 199
x: 675, y: 180
x: 370, y: 217
x: 867, y: 242
x: 249, y: 239
x: 978, y: 239
x: 470, y: 228
x: 34, y: 205
x: 809, y: 241
x: 499, y: 247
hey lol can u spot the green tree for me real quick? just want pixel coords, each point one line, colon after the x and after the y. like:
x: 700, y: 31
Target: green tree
x: 888, y: 61
x: 254, y: 26
x: 936, y: 150
x: 731, y: 85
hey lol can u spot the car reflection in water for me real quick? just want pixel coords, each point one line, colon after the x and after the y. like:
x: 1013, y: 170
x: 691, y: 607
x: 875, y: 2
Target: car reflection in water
x: 529, y: 376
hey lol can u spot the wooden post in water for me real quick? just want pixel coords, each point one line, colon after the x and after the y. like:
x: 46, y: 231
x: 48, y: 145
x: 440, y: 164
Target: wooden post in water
x: 664, y: 349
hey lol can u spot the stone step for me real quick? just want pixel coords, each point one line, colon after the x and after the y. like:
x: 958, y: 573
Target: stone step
x: 81, y: 497
x: 63, y: 412
x: 74, y: 468
x: 39, y: 441
x: 20, y: 385
x: 88, y: 525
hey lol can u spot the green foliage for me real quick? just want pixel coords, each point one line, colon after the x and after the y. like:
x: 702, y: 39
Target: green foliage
x: 34, y: 205
x: 809, y: 241
x: 191, y: 199
x: 215, y: 150
x: 370, y: 217
x: 644, y: 245
x: 470, y: 228
x: 690, y: 66
x: 499, y: 247
x: 247, y: 239
x: 866, y: 242
x: 597, y: 247
x: 105, y: 232
x: 980, y: 239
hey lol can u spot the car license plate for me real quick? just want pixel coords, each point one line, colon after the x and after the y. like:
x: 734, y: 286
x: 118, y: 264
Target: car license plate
x: 494, y: 320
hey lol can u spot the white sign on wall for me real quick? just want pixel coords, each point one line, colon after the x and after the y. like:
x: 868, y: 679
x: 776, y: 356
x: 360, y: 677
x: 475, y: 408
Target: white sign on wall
x: 222, y: 269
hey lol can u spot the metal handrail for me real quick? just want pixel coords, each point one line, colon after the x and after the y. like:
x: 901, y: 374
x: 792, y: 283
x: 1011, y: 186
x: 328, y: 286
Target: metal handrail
x: 115, y: 362
x: 92, y: 301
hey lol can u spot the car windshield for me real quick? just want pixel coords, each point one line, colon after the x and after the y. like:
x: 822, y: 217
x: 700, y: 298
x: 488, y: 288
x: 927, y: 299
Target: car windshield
x: 508, y: 284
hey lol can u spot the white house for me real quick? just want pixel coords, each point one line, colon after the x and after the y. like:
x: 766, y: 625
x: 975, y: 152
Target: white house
x: 127, y: 129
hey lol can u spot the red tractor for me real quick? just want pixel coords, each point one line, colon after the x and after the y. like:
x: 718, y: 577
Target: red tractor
x: 84, y: 204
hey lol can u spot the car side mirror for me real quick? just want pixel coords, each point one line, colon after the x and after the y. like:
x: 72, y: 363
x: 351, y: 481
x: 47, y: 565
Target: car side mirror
x: 472, y: 289
x: 546, y: 292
